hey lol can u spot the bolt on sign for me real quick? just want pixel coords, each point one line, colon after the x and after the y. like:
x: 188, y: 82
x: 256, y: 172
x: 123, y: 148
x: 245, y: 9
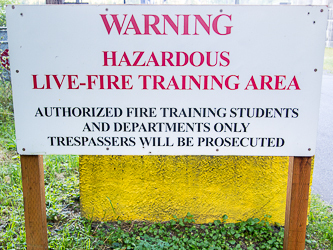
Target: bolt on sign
x: 166, y: 80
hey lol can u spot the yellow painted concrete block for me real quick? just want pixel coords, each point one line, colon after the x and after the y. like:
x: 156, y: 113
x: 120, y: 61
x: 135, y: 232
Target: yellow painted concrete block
x: 156, y: 187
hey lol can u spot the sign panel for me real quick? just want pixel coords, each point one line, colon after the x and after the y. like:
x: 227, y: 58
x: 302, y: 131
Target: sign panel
x: 171, y: 80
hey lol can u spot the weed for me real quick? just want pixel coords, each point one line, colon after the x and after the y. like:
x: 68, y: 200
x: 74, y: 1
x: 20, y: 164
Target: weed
x: 320, y: 228
x: 111, y: 205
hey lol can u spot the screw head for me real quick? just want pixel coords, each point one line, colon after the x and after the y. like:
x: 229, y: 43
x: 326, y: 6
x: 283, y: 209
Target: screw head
x: 315, y: 70
x: 17, y: 71
x: 309, y: 149
x: 23, y: 149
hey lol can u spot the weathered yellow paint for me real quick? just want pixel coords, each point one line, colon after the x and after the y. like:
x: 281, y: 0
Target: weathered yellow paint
x: 156, y: 187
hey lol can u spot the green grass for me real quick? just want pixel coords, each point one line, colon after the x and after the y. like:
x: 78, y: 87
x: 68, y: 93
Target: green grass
x: 328, y: 60
x: 320, y: 228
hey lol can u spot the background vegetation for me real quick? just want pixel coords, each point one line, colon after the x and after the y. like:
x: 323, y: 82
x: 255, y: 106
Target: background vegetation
x: 3, y: 4
x: 328, y: 61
